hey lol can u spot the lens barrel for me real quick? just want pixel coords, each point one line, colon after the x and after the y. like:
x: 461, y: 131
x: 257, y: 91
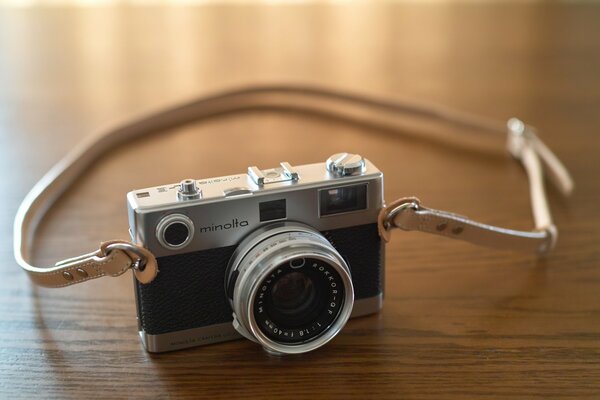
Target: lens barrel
x: 291, y: 290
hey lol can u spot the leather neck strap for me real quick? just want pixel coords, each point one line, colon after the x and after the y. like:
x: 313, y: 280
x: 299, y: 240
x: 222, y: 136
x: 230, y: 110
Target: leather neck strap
x: 115, y: 257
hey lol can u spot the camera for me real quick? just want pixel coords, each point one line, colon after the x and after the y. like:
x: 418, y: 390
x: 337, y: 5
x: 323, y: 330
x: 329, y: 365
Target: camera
x: 282, y: 256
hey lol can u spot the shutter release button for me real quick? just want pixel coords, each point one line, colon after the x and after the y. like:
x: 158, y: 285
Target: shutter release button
x: 188, y: 190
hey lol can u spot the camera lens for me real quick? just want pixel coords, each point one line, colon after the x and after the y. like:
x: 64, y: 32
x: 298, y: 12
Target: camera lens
x: 292, y: 291
x: 175, y: 231
x: 295, y: 306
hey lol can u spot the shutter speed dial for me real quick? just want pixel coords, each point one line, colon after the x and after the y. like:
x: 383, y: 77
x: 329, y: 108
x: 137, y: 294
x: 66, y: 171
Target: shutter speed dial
x: 346, y: 164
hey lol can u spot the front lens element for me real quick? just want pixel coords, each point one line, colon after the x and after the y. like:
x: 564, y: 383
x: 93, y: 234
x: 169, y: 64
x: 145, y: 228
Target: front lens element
x: 292, y: 294
x: 297, y: 305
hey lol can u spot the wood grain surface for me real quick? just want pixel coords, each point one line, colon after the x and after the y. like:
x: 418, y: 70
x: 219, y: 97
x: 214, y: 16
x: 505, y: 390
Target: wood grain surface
x: 458, y: 321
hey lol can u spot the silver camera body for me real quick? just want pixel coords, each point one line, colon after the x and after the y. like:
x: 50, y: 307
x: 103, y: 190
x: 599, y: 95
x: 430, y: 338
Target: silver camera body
x: 282, y: 256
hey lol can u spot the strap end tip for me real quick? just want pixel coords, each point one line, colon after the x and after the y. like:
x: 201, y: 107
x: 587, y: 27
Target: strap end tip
x: 550, y: 242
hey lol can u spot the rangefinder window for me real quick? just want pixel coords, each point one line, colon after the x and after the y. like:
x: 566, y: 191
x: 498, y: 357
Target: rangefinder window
x: 342, y: 199
x: 272, y: 210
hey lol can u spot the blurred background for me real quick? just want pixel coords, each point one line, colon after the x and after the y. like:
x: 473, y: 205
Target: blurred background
x: 68, y: 69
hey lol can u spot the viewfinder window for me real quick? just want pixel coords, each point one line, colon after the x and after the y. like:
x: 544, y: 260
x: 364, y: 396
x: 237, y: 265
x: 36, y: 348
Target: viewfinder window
x: 343, y: 199
x: 272, y: 210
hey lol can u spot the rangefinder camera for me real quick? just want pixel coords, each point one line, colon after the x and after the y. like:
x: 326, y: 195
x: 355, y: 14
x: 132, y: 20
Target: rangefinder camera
x: 281, y: 256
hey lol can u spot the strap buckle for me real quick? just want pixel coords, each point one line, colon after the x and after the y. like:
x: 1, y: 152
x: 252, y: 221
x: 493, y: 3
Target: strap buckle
x: 387, y: 215
x: 138, y: 263
x: 404, y: 204
x: 143, y: 262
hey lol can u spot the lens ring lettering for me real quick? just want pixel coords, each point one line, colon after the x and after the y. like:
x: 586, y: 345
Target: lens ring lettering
x: 329, y: 309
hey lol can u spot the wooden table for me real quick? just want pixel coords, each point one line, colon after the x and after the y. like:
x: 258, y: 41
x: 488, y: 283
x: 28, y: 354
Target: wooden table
x: 459, y: 321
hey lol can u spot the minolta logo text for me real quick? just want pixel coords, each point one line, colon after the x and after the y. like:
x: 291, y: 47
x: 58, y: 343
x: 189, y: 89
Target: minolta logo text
x: 234, y: 224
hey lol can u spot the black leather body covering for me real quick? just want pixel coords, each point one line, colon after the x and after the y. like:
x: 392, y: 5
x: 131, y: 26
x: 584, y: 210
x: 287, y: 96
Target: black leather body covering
x: 189, y: 290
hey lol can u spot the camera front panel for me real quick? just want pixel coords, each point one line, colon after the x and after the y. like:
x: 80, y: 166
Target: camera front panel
x: 186, y: 305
